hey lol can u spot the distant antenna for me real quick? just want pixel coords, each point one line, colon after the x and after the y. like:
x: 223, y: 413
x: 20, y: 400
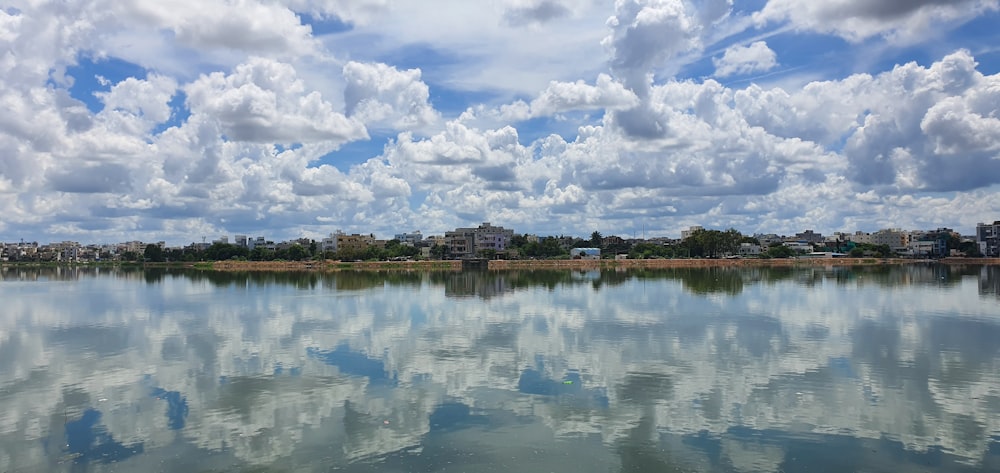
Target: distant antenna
x: 203, y: 239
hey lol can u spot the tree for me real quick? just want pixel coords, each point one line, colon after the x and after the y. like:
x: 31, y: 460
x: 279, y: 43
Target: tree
x: 779, y: 251
x: 439, y: 251
x: 518, y: 241
x: 130, y: 256
x: 297, y: 253
x: 153, y: 253
x: 970, y: 248
x: 260, y: 253
x: 596, y: 239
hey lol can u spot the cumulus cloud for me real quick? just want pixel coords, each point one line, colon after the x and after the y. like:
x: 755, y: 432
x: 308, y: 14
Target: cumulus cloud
x: 742, y: 60
x: 381, y: 95
x: 263, y: 101
x: 250, y: 25
x: 917, y: 134
x: 564, y: 97
x: 856, y: 20
x: 645, y: 34
x: 255, y: 144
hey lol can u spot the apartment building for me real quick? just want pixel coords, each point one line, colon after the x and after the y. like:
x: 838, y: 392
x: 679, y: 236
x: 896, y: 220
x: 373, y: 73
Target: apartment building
x: 468, y: 242
x: 988, y: 237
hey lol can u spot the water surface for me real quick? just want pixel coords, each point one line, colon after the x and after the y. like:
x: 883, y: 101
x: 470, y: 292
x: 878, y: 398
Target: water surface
x: 729, y: 370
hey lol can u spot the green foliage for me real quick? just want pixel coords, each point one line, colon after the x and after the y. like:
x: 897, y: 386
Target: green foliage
x: 261, y: 254
x: 130, y: 256
x: 712, y: 243
x: 153, y: 253
x: 544, y: 248
x: 882, y: 251
x: 297, y: 253
x: 651, y: 250
x: 970, y: 248
x: 596, y: 239
x: 439, y: 251
x: 224, y: 251
x: 779, y: 251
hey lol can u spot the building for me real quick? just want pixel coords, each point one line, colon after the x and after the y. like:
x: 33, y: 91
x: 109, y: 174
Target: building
x: 923, y: 248
x: 809, y: 236
x: 988, y: 237
x: 799, y: 246
x: 329, y: 243
x: 768, y: 240
x: 355, y: 242
x: 897, y: 240
x: 460, y: 242
x: 411, y: 239
x: 750, y: 249
x: 687, y: 233
x: 241, y: 240
x: 489, y: 237
x: 933, y: 244
x: 468, y: 242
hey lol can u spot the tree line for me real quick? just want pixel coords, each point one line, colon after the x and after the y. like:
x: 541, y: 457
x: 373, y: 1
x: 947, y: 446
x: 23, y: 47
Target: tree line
x: 699, y: 244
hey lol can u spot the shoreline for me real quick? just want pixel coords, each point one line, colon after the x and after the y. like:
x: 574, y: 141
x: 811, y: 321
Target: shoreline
x: 501, y: 265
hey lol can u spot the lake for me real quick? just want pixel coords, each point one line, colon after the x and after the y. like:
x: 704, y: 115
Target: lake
x: 837, y: 369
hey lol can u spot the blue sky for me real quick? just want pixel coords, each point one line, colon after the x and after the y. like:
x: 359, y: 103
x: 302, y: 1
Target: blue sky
x: 170, y: 121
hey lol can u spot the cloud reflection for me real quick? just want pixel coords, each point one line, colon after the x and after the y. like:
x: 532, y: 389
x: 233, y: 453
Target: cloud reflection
x: 728, y: 370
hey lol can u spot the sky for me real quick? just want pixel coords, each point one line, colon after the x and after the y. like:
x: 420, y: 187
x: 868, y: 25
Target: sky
x: 188, y: 119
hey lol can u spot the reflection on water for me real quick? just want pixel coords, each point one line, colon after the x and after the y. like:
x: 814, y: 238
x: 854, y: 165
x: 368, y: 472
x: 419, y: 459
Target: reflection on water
x: 724, y: 369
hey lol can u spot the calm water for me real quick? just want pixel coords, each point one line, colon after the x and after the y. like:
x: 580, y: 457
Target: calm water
x: 836, y: 369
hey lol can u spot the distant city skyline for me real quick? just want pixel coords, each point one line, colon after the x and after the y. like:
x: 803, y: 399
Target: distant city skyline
x: 148, y: 121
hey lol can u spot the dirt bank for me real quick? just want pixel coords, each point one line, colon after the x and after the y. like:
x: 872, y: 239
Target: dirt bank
x: 330, y: 265
x: 691, y: 263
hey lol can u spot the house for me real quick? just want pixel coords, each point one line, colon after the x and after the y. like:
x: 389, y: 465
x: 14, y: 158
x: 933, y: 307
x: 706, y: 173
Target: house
x: 750, y: 249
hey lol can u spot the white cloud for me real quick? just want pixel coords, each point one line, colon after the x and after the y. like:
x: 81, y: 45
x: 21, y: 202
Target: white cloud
x: 856, y: 20
x: 144, y: 102
x: 381, y: 95
x: 742, y: 60
x: 255, y: 145
x: 563, y: 97
x: 263, y: 101
x: 247, y: 25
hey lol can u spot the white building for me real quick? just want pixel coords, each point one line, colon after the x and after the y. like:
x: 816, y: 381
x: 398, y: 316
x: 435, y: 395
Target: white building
x: 330, y: 243
x: 412, y: 239
x: 687, y: 233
